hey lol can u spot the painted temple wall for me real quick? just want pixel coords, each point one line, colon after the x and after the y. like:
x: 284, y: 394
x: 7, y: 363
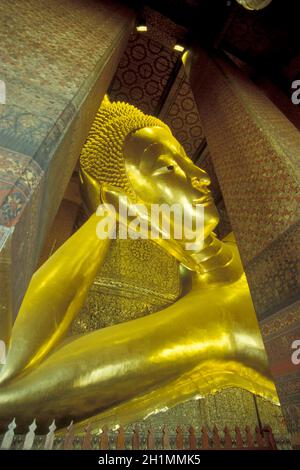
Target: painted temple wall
x: 57, y: 60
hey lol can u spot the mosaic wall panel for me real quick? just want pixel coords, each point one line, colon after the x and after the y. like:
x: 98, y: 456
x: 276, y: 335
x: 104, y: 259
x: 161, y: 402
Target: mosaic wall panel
x: 46, y: 69
x: 143, y: 73
x: 19, y: 178
x: 180, y: 112
x: 56, y: 73
x: 255, y: 151
x: 5, y: 277
x: 231, y: 408
x: 257, y: 169
x: 235, y: 407
x: 274, y: 275
x: 20, y: 197
x: 279, y: 331
x: 162, y: 29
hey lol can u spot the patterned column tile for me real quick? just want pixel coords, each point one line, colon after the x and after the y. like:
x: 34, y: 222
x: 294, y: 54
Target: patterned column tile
x: 48, y: 65
x: 19, y: 177
x: 279, y: 331
x: 143, y: 73
x: 274, y: 275
x: 59, y: 54
x: 21, y: 180
x: 56, y: 73
x: 5, y: 282
x: 181, y: 114
x: 255, y: 152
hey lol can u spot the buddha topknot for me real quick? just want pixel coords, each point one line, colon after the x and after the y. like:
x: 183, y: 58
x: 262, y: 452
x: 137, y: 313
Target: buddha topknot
x: 102, y: 155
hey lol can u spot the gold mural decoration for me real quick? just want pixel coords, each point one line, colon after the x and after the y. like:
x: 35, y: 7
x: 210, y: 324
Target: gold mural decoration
x: 200, y: 333
x: 137, y: 278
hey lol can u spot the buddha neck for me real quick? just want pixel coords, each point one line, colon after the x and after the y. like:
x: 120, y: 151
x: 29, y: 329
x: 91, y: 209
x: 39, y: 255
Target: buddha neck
x: 218, y: 260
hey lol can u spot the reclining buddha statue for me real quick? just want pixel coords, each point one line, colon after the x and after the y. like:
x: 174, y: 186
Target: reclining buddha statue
x: 193, y: 329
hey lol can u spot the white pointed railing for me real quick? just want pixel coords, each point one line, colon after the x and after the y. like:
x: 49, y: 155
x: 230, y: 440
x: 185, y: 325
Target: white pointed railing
x: 9, y: 435
x: 141, y: 437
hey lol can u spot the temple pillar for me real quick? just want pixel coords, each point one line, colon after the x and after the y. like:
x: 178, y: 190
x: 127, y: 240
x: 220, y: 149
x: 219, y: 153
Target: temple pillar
x: 255, y: 151
x: 58, y: 59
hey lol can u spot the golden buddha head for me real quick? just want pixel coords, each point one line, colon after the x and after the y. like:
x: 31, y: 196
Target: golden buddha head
x: 133, y: 154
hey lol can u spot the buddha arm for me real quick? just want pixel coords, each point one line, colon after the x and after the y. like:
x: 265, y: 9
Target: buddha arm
x: 111, y: 366
x: 54, y: 297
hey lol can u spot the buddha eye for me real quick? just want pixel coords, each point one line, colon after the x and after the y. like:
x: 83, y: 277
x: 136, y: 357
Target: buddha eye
x: 163, y: 170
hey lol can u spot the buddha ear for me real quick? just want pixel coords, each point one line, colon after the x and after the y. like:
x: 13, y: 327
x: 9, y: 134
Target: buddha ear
x: 90, y: 190
x: 95, y: 193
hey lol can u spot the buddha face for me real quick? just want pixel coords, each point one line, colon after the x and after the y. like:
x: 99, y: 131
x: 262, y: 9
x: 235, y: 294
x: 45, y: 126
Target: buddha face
x: 161, y: 173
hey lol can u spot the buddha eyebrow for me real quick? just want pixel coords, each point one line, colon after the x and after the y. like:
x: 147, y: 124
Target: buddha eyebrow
x: 165, y: 156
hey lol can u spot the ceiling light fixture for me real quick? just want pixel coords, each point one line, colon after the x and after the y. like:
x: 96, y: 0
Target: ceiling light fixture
x: 141, y: 28
x: 141, y: 23
x: 179, y: 47
x: 254, y: 4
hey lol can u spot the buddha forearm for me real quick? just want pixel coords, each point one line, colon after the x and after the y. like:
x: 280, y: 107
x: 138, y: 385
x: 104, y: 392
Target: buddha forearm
x: 54, y: 297
x: 111, y: 366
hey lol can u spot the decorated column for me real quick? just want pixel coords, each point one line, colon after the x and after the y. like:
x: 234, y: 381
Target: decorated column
x: 255, y: 151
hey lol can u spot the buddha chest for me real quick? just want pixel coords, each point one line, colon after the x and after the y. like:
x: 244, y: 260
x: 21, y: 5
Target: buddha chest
x: 137, y: 278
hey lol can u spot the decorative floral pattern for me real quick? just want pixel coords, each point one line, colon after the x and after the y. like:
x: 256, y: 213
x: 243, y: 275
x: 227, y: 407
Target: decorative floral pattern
x: 51, y: 60
x: 255, y: 150
x: 19, y: 177
x: 143, y: 73
x: 181, y: 114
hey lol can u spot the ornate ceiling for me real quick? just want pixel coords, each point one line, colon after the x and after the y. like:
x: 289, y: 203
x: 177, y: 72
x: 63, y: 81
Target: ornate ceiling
x: 267, y: 40
x: 151, y: 76
x: 143, y: 73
